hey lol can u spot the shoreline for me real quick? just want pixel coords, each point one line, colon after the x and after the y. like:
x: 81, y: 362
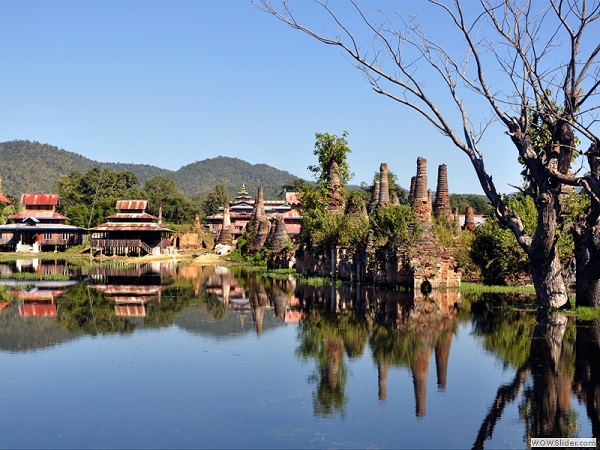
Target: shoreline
x: 202, y: 259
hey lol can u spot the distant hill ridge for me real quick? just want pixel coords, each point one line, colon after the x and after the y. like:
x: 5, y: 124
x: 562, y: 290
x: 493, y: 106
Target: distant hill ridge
x: 32, y: 167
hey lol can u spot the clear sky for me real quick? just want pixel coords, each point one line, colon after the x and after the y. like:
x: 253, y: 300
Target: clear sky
x: 168, y: 83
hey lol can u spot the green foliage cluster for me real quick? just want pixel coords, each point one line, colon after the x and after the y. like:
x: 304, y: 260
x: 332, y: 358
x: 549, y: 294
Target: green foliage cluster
x: 330, y: 148
x: 216, y: 198
x: 321, y: 229
x: 394, y: 225
x: 88, y: 198
x: 495, y: 250
x: 479, y: 203
x: 7, y: 210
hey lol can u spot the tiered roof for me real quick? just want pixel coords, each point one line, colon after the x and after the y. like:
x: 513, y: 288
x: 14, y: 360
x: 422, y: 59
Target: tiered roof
x: 131, y: 215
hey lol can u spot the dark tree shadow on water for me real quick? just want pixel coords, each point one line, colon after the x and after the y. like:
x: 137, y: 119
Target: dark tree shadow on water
x: 545, y: 381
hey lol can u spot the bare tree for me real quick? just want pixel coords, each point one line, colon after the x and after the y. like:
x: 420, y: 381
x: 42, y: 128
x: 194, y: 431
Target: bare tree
x: 523, y: 59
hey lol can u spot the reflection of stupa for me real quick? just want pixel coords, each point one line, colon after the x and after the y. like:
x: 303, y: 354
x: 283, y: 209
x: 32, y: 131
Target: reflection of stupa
x: 425, y: 324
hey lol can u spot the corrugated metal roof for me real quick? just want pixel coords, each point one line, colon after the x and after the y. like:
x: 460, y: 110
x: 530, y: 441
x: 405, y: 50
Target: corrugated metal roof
x: 39, y: 199
x: 135, y: 216
x: 41, y: 227
x: 128, y: 289
x: 130, y: 227
x: 35, y: 310
x: 130, y: 310
x: 132, y: 204
x: 38, y: 215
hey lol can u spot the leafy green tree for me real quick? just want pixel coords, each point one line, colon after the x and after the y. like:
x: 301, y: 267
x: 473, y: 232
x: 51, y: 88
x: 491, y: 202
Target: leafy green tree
x: 216, y: 198
x: 394, y: 225
x: 495, y: 250
x: 295, y: 185
x: 176, y: 208
x: 479, y: 203
x: 330, y: 148
x: 7, y: 209
x: 88, y: 198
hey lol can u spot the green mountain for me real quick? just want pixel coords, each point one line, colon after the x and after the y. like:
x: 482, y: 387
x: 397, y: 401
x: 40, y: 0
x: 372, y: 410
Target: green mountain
x: 31, y: 167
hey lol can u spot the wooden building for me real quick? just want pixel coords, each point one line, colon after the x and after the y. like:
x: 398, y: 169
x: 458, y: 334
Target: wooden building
x: 240, y: 212
x: 131, y: 231
x: 38, y: 227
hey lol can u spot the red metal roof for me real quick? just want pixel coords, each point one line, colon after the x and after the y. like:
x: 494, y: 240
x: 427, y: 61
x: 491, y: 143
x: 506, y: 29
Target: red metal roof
x: 38, y: 215
x: 132, y: 204
x: 130, y: 227
x: 42, y: 294
x: 128, y: 289
x: 130, y: 310
x: 3, y: 199
x: 134, y: 216
x: 35, y: 310
x: 39, y: 199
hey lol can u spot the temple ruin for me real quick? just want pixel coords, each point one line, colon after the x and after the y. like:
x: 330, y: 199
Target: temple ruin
x: 423, y: 266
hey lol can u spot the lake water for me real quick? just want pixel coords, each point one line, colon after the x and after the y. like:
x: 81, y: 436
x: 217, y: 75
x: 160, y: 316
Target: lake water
x: 167, y: 356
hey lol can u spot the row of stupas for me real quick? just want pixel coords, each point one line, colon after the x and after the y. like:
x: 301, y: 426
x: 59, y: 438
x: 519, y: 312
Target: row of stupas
x: 421, y: 197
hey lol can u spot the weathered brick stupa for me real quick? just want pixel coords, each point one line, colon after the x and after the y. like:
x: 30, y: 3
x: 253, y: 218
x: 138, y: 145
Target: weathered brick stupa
x: 421, y: 201
x: 442, y: 208
x: 279, y: 238
x: 384, y: 187
x: 259, y: 225
x: 335, y: 197
x: 430, y: 264
x: 469, y: 219
x: 225, y: 237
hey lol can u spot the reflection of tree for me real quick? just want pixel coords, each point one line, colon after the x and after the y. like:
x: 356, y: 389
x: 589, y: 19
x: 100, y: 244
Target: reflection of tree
x: 161, y: 312
x: 587, y: 370
x: 551, y: 364
x: 325, y: 337
x: 83, y: 309
x: 504, y: 331
x: 215, y: 306
x: 546, y: 404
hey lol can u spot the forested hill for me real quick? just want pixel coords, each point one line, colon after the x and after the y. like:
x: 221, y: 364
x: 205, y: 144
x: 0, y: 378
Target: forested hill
x: 32, y: 167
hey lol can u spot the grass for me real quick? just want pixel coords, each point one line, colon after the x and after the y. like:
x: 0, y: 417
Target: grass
x: 30, y: 276
x: 582, y: 312
x: 476, y: 288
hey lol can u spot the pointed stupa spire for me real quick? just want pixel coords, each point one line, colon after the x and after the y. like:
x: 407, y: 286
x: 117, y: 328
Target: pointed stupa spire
x: 384, y: 188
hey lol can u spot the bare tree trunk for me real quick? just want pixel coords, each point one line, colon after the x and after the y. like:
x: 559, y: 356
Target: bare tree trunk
x: 546, y: 270
x: 587, y: 237
x: 587, y: 254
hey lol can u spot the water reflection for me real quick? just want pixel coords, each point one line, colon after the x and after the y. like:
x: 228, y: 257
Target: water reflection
x: 553, y: 361
x: 541, y: 348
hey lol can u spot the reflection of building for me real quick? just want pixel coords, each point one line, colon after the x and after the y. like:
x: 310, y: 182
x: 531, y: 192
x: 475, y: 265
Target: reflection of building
x: 130, y: 287
x: 131, y: 231
x: 130, y: 300
x: 39, y: 226
x: 37, y: 302
x: 240, y: 212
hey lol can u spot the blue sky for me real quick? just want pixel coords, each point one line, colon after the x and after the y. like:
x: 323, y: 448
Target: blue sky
x: 168, y: 83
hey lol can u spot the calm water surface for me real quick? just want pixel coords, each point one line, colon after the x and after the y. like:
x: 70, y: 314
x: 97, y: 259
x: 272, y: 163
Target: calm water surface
x: 165, y: 356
